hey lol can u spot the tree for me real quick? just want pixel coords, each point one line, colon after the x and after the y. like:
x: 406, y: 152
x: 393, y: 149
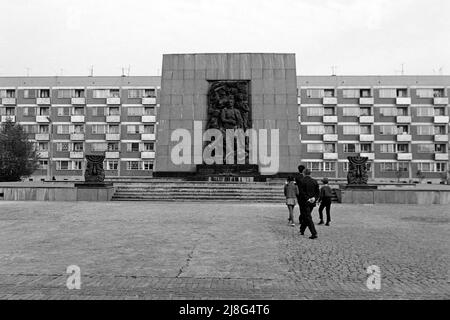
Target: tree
x: 399, y: 173
x: 18, y: 157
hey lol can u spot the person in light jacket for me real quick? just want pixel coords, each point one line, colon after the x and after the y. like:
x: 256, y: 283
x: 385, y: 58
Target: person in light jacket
x: 291, y: 193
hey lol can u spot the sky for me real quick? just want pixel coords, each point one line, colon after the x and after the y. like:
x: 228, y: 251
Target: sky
x: 353, y: 37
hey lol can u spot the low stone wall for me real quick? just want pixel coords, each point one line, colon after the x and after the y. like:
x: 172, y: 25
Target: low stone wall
x: 54, y: 193
x: 396, y: 196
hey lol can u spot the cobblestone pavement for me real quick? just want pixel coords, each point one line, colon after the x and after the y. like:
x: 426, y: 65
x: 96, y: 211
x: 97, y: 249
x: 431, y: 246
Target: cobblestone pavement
x: 149, y: 250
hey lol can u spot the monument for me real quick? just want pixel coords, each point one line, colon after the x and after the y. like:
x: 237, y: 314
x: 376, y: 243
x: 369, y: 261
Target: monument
x: 229, y: 91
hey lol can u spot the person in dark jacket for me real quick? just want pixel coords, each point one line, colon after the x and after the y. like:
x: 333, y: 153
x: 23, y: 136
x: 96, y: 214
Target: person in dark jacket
x: 325, y: 201
x: 300, y: 197
x: 311, y: 193
x: 291, y: 194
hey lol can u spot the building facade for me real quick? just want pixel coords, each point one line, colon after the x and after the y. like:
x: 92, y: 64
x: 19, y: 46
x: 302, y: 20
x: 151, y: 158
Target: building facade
x: 400, y: 122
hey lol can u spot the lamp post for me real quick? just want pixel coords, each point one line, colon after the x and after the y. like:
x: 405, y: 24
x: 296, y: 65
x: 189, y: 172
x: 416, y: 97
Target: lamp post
x: 50, y: 149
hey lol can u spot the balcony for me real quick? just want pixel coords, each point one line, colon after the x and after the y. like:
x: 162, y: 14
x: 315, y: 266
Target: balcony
x: 78, y: 101
x: 299, y: 119
x: 329, y: 100
x: 42, y: 119
x: 330, y: 119
x: 77, y: 136
x: 42, y: 136
x: 366, y: 119
x: 403, y: 101
x: 366, y: 137
x: 403, y: 119
x: 404, y: 137
x: 112, y: 154
x: 148, y: 155
x: 113, y: 136
x: 8, y: 101
x: 76, y: 154
x: 441, y: 119
x: 43, y: 101
x: 148, y: 136
x: 43, y: 154
x: 148, y: 118
x: 299, y: 100
x: 404, y: 156
x: 113, y: 119
x: 441, y: 138
x: 437, y: 100
x: 151, y: 100
x: 366, y: 101
x: 112, y: 100
x: 330, y: 137
x: 330, y: 156
x: 77, y: 118
x: 441, y: 156
x: 369, y: 155
x: 5, y: 118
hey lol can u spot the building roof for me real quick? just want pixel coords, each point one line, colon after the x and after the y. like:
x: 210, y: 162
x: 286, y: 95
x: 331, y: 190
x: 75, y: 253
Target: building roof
x: 63, y: 81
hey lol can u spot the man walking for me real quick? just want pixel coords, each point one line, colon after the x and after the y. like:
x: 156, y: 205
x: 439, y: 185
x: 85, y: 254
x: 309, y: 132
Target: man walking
x: 300, y: 197
x: 310, y: 189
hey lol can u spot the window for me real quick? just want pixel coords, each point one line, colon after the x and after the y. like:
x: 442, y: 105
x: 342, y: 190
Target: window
x: 78, y: 93
x: 425, y: 111
x: 314, y: 111
x: 147, y: 165
x: 424, y: 93
x: 315, y: 93
x: 441, y: 167
x: 439, y: 130
x: 64, y: 93
x: 112, y: 165
x: 78, y: 111
x: 113, y: 146
x: 133, y: 165
x: 62, y: 146
x: 134, y: 93
x: 388, y: 166
x: 114, y: 93
x: 149, y: 128
x: 133, y: 147
x: 43, y: 165
x: 98, y: 128
x: 351, y: 129
x: 314, y: 166
x: 387, y: 148
x: 63, y: 111
x: 425, y: 130
x: 112, y: 128
x: 29, y: 93
x: 97, y: 111
x: 8, y: 111
x: 44, y: 111
x: 62, y: 165
x: 350, y: 93
x: 328, y: 111
x: 133, y: 129
x: 26, y: 111
x: 440, y: 148
x: 43, y: 129
x: 315, y: 129
x: 403, y: 166
x: 113, y: 111
x: 439, y: 111
x: 364, y: 112
x: 365, y: 129
x: 77, y: 165
x: 63, y: 129
x: 314, y: 147
x: 149, y: 111
x: 135, y: 111
x: 365, y: 147
x: 425, y: 166
x: 329, y: 166
x: 42, y: 146
x: 350, y: 148
x: 106, y: 93
x: 330, y: 129
x: 149, y: 146
x: 388, y: 130
x: 44, y: 93
x: 8, y: 93
x: 401, y: 93
x: 402, y: 129
x: 388, y: 93
x: 328, y: 93
x: 77, y: 146
x: 329, y: 148
x: 437, y: 93
x: 149, y: 93
x: 425, y: 148
x: 402, y: 148
x: 350, y: 111
x: 78, y: 128
x: 365, y: 93
x: 402, y: 111
x: 99, y: 146
x: 388, y: 112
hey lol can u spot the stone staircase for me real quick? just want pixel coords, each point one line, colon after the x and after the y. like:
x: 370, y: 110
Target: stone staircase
x: 199, y: 191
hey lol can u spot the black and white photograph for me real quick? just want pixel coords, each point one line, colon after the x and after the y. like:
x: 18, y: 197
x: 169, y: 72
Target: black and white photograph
x: 235, y: 152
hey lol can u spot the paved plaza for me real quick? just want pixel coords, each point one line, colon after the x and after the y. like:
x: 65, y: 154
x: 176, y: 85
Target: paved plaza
x: 156, y: 250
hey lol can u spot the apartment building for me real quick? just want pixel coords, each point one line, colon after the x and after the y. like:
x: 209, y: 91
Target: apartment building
x: 67, y: 117
x: 401, y: 123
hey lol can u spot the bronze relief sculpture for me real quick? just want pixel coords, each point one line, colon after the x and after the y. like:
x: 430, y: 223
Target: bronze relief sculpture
x: 357, y: 170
